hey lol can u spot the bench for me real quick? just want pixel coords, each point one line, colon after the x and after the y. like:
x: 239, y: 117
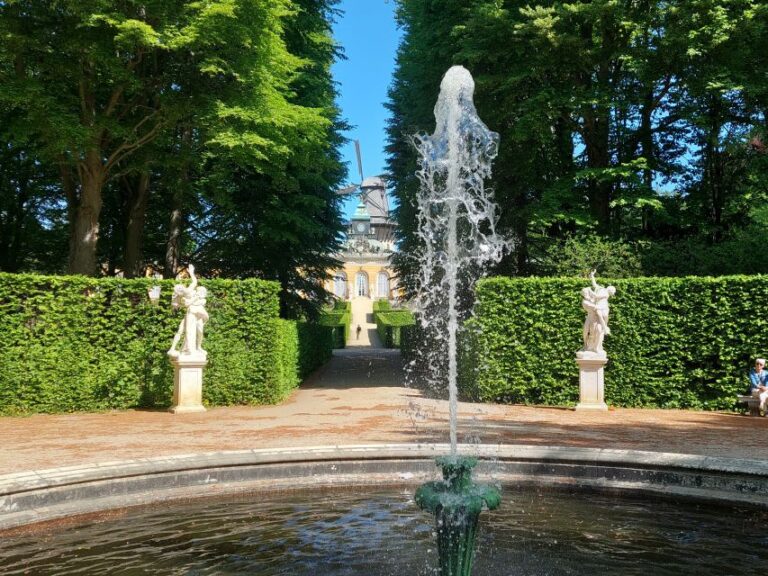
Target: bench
x: 752, y: 403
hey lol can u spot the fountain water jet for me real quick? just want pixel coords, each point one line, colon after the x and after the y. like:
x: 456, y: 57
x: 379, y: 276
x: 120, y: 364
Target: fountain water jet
x: 457, y: 228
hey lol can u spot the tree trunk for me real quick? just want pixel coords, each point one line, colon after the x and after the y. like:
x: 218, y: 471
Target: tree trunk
x: 70, y: 188
x: 174, y: 236
x: 16, y: 241
x: 646, y: 141
x: 521, y: 248
x: 713, y: 171
x: 85, y: 228
x: 597, y: 142
x: 14, y: 211
x: 138, y: 193
x: 173, y: 246
x: 563, y: 136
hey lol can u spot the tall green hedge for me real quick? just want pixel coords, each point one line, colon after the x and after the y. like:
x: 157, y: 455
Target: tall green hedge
x: 81, y: 344
x: 389, y: 324
x: 315, y: 346
x: 675, y: 342
x: 338, y: 319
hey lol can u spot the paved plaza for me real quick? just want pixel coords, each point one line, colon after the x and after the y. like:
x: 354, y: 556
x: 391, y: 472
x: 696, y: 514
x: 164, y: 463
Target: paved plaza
x: 360, y: 398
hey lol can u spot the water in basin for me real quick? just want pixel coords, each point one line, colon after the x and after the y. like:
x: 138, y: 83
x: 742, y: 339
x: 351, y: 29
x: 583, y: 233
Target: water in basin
x: 381, y: 532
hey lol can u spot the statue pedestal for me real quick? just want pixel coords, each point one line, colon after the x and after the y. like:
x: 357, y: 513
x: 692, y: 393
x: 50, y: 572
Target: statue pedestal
x: 188, y: 383
x: 591, y: 383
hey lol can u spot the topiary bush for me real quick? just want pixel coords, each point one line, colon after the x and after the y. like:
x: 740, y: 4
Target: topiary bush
x: 675, y: 342
x: 339, y: 320
x: 389, y: 324
x: 84, y: 344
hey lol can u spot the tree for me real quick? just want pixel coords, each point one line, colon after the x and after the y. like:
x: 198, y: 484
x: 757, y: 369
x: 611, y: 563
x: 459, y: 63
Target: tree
x: 426, y: 52
x: 637, y: 121
x: 81, y: 78
x: 281, y: 219
x: 31, y: 219
x: 97, y: 82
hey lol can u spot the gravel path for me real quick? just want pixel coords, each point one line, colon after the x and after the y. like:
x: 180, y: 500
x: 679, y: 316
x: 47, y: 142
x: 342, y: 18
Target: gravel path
x: 359, y: 398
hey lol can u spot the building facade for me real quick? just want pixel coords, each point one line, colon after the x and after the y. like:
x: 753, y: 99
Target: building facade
x: 366, y: 252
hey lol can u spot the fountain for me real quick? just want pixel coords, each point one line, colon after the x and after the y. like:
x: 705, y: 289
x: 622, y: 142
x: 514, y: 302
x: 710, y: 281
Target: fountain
x: 334, y: 510
x: 457, y: 229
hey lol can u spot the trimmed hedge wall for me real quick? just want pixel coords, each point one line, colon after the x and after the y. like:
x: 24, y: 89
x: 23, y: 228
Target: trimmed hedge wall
x: 674, y: 342
x: 342, y: 306
x: 339, y: 319
x: 83, y: 344
x: 315, y: 346
x: 389, y: 324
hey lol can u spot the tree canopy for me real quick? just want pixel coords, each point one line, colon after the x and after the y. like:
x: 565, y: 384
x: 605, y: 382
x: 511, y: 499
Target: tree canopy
x: 640, y: 122
x: 154, y: 132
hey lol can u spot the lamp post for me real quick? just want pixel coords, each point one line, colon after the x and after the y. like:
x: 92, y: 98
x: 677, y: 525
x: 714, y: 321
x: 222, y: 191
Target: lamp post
x: 154, y: 294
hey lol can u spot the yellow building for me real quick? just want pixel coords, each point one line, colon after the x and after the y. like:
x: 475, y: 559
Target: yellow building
x: 367, y: 249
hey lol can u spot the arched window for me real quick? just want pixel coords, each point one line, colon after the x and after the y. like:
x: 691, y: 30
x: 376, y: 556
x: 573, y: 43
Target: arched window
x: 361, y: 284
x: 382, y: 285
x: 340, y: 285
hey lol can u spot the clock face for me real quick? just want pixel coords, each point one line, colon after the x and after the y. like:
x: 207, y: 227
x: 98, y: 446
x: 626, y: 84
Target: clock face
x: 361, y: 227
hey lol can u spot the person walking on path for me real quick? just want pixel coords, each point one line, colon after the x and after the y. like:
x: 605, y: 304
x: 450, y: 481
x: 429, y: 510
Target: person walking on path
x: 758, y: 382
x: 359, y: 329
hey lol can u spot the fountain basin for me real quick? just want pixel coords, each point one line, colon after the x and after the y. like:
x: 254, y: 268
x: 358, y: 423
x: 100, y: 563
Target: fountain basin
x: 378, y: 531
x: 43, y: 495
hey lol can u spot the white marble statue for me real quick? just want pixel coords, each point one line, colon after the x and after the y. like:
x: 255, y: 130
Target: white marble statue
x: 594, y: 300
x: 193, y: 299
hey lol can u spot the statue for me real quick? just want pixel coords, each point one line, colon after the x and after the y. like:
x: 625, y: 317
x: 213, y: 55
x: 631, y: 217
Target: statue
x: 594, y: 300
x: 193, y: 299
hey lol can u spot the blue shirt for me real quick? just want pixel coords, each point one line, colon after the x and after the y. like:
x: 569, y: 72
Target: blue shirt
x: 757, y: 378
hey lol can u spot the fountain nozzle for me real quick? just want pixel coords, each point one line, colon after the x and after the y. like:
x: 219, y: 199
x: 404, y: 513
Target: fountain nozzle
x: 456, y: 501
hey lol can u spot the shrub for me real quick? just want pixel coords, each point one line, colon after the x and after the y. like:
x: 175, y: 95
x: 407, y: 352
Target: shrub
x: 82, y: 344
x: 339, y: 321
x: 389, y: 324
x: 577, y: 255
x: 342, y: 306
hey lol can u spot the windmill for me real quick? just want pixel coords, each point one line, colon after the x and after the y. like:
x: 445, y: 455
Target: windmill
x: 369, y: 242
x: 372, y: 191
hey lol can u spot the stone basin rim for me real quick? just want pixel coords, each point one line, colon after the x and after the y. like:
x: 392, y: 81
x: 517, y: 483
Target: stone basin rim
x: 61, y: 476
x: 42, y: 495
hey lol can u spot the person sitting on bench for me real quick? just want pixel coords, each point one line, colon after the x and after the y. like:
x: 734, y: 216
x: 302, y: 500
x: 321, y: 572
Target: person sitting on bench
x: 758, y: 382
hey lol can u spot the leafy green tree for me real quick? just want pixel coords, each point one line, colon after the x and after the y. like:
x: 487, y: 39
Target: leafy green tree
x: 281, y: 219
x: 718, y: 37
x: 99, y: 82
x: 31, y: 219
x: 82, y: 83
x: 578, y: 255
x: 639, y: 121
x: 426, y: 52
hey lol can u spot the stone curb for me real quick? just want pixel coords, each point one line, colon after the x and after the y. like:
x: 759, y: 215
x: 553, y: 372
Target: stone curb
x: 35, y: 496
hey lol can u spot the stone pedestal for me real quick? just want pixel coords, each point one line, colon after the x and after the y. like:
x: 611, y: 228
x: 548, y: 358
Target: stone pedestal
x: 188, y: 383
x: 591, y: 383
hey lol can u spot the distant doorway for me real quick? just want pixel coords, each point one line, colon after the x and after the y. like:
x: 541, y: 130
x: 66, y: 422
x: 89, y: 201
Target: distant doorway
x: 361, y: 284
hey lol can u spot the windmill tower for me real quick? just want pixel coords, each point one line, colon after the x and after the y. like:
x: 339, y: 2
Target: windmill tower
x: 373, y: 199
x: 369, y: 243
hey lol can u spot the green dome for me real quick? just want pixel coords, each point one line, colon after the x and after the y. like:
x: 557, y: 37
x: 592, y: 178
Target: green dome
x: 361, y: 212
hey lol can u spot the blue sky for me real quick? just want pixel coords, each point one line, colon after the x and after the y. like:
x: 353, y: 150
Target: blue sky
x: 366, y: 30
